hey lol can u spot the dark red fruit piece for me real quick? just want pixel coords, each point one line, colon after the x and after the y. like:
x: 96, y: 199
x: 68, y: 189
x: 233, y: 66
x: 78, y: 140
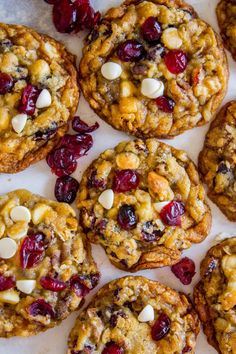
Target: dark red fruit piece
x: 78, y: 144
x: 112, y: 348
x: 47, y: 133
x: 78, y: 286
x: 62, y: 161
x: 6, y: 83
x: 165, y: 104
x: 32, y: 250
x: 65, y: 189
x: 171, y: 213
x: 187, y: 349
x: 176, y: 61
x: 131, y: 50
x: 161, y: 327
x: 65, y: 14
x: 6, y: 283
x: 51, y: 2
x: 151, y: 30
x: 94, y: 182
x: 86, y: 17
x: 126, y: 217
x: 52, y: 284
x: 149, y: 234
x: 184, y: 270
x: 81, y: 127
x: 41, y: 308
x: 28, y: 100
x: 125, y: 181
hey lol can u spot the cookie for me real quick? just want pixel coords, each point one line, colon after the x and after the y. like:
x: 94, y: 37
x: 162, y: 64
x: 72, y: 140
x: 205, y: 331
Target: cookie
x: 46, y: 267
x: 154, y: 69
x: 215, y: 296
x: 226, y: 15
x: 38, y: 95
x: 217, y: 160
x: 136, y: 315
x: 144, y: 203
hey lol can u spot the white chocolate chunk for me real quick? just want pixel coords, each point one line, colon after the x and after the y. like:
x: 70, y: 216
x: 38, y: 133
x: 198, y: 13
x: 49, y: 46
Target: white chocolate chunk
x: 106, y: 199
x: 9, y: 296
x: 171, y: 39
x: 26, y: 286
x: 44, y: 99
x: 152, y: 88
x: 18, y: 122
x: 39, y: 213
x: 111, y: 70
x: 159, y: 206
x: 8, y: 248
x: 147, y: 314
x: 20, y: 213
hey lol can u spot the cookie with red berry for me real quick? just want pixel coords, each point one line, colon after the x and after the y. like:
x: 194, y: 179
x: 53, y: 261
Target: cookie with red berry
x: 144, y: 203
x: 46, y: 266
x: 38, y: 95
x: 136, y: 315
x: 153, y: 68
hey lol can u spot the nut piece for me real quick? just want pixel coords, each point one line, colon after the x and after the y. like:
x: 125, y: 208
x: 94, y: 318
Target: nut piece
x: 127, y: 160
x: 170, y: 38
x: 160, y: 186
x: 9, y: 297
x: 39, y: 213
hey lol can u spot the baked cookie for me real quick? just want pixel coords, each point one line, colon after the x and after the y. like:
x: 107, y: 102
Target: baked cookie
x: 154, y: 69
x: 215, y: 296
x: 46, y: 267
x: 136, y: 315
x: 144, y: 203
x: 38, y: 95
x: 217, y: 160
x: 226, y: 15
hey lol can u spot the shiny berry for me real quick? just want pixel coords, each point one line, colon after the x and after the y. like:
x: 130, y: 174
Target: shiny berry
x: 78, y: 144
x: 187, y: 349
x: 151, y: 30
x: 131, y: 50
x: 184, y: 270
x: 32, y: 250
x: 6, y: 283
x: 28, y: 100
x: 78, y: 286
x: 62, y: 161
x: 112, y: 348
x: 86, y: 18
x: 65, y: 15
x: 95, y: 182
x: 165, y: 104
x: 6, y: 83
x: 52, y: 284
x: 126, y: 217
x: 171, y: 213
x: 66, y: 188
x: 81, y: 127
x: 176, y: 61
x: 161, y: 327
x: 125, y: 181
x: 41, y: 308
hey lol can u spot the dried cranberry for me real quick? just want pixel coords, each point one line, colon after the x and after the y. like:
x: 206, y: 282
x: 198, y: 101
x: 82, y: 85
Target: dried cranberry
x: 52, y: 284
x: 112, y: 348
x: 78, y: 286
x: 151, y: 30
x: 66, y: 188
x: 41, y: 308
x: 62, y: 161
x: 149, y: 234
x: 101, y: 226
x: 32, y: 250
x: 126, y: 217
x: 78, y: 144
x: 6, y: 283
x: 94, y: 182
x: 187, y: 349
x: 6, y: 83
x: 131, y: 50
x: 86, y: 17
x: 161, y: 327
x: 47, y: 133
x: 165, y: 104
x: 184, y: 270
x: 125, y: 181
x: 28, y: 100
x: 81, y: 127
x: 171, y: 213
x: 176, y: 61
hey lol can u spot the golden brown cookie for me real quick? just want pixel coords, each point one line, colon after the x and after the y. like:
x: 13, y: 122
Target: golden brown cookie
x: 38, y: 95
x: 154, y: 69
x: 144, y: 203
x: 215, y: 296
x: 136, y: 315
x: 218, y: 158
x: 46, y: 266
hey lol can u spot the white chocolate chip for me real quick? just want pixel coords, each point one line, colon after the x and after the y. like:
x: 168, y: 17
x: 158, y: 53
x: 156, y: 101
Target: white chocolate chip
x: 9, y: 296
x: 8, y: 248
x: 159, y: 206
x: 106, y: 199
x: 147, y: 314
x: 20, y: 213
x: 18, y: 122
x: 152, y: 88
x: 26, y: 286
x: 111, y: 70
x: 171, y: 39
x: 44, y: 99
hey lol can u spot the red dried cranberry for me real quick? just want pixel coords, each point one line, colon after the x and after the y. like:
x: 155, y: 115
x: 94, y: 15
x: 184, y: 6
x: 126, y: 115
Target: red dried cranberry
x: 47, y: 133
x: 131, y: 50
x: 112, y: 348
x: 86, y: 17
x: 41, y: 308
x: 161, y: 327
x: 52, y: 284
x: 66, y: 188
x: 6, y: 83
x: 81, y: 127
x: 187, y: 349
x: 28, y: 100
x: 184, y: 270
x: 126, y: 217
x: 78, y: 286
x: 94, y: 182
x: 165, y: 103
x: 125, y: 181
x: 151, y: 30
x: 79, y: 144
x: 176, y: 61
x: 171, y: 213
x: 149, y: 234
x: 62, y: 161
x: 32, y: 250
x: 6, y: 283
